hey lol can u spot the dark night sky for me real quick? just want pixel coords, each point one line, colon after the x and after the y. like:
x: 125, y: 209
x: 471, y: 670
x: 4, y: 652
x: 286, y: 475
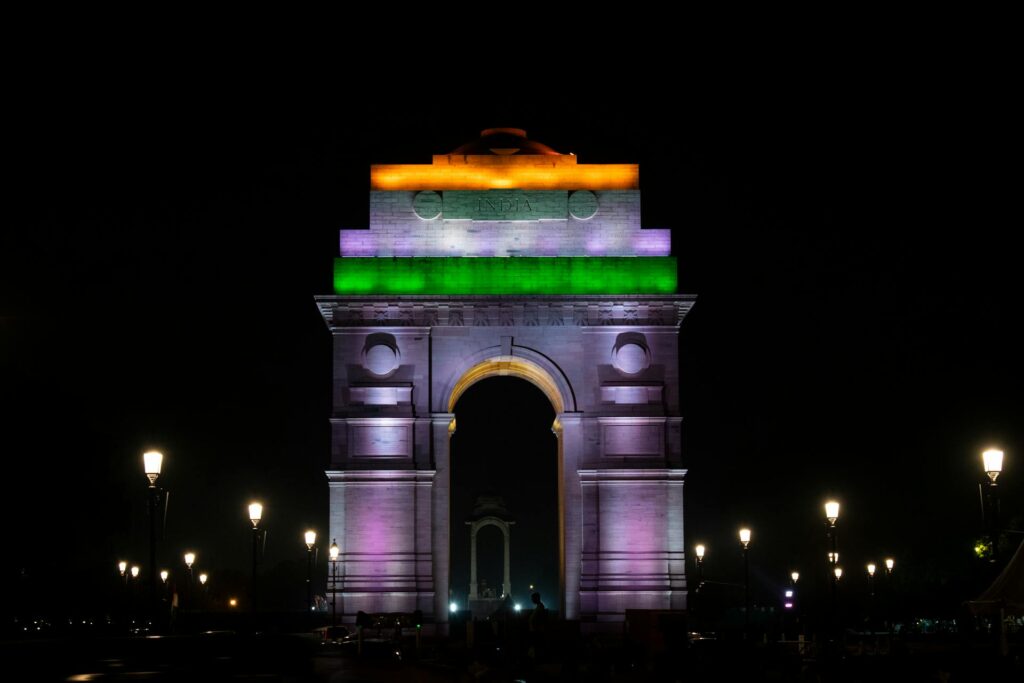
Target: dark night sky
x: 856, y: 332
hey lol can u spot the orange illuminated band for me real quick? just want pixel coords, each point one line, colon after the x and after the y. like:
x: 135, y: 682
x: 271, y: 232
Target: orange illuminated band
x: 519, y: 176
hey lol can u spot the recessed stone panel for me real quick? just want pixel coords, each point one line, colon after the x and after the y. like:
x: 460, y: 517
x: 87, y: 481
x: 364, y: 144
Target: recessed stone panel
x: 380, y: 441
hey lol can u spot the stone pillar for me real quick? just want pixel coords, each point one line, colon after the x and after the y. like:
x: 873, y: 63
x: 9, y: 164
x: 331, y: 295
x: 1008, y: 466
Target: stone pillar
x: 472, y: 562
x: 506, y: 584
x: 441, y: 427
x: 569, y: 428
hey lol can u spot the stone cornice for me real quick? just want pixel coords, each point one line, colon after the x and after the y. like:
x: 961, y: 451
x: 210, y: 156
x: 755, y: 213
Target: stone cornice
x: 664, y: 310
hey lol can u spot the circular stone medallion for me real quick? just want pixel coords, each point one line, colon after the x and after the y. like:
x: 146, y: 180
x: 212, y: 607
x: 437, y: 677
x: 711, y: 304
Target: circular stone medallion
x: 582, y: 204
x: 631, y: 359
x: 427, y: 205
x: 381, y: 359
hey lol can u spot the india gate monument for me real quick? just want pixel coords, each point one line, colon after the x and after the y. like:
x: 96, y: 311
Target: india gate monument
x: 506, y: 258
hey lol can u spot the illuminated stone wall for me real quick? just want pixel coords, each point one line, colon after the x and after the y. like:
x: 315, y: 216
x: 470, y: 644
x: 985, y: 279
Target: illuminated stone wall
x: 584, y: 305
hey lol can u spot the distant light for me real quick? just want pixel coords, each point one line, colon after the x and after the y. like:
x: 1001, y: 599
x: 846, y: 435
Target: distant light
x: 700, y: 552
x: 789, y: 605
x: 745, y: 537
x: 795, y: 576
x: 255, y: 513
x: 310, y: 537
x: 832, y: 512
x: 190, y: 558
x: 202, y: 578
x: 889, y: 563
x: 122, y: 567
x: 164, y: 574
x: 233, y: 602
x: 518, y: 607
x: 135, y: 571
x: 839, y: 573
x: 453, y: 607
x: 993, y: 459
x: 789, y: 594
x: 833, y: 558
x: 871, y: 569
x: 334, y: 550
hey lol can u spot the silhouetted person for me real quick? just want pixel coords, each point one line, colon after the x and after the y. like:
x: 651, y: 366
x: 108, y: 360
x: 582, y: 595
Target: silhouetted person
x: 538, y: 621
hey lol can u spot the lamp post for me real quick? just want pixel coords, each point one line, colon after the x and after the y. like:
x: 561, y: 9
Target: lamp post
x: 992, y: 460
x: 190, y: 559
x: 310, y: 538
x: 152, y: 462
x: 832, y: 516
x: 889, y: 565
x: 334, y: 551
x: 255, y: 515
x: 745, y: 540
x: 700, y: 563
x: 871, y: 590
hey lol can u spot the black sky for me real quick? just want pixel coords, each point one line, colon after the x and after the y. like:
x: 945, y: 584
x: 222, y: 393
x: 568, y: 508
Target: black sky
x: 851, y: 240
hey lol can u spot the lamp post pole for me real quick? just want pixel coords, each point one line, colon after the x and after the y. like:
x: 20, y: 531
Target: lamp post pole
x: 993, y: 463
x: 832, y: 516
x: 152, y: 461
x: 745, y: 540
x: 255, y: 514
x: 699, y: 550
x: 889, y: 564
x: 310, y: 538
x: 334, y: 551
x: 871, y: 593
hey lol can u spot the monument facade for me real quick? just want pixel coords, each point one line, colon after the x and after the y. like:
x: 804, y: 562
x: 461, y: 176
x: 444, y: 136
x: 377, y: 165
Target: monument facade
x: 506, y: 258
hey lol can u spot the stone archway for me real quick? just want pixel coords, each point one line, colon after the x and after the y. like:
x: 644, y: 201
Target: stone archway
x: 521, y: 262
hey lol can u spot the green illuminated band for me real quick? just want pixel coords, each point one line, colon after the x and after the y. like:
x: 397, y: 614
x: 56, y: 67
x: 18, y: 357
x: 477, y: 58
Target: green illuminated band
x: 511, y: 276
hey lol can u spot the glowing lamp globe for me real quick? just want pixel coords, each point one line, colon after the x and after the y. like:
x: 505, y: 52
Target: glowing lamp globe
x: 135, y: 571
x: 334, y: 551
x: 122, y: 567
x: 255, y: 513
x: 871, y: 569
x: 190, y: 558
x: 993, y: 459
x: 151, y: 461
x: 700, y: 552
x: 839, y: 573
x: 202, y: 578
x: 795, y: 576
x: 832, y: 512
x: 745, y: 537
x: 889, y: 564
x: 310, y: 537
x: 164, y: 574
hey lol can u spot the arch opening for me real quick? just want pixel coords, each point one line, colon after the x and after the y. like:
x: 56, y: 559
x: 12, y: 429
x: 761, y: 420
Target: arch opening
x: 505, y: 449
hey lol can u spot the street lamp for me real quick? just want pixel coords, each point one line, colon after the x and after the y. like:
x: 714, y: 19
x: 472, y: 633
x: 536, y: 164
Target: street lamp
x: 992, y: 460
x: 745, y: 540
x: 871, y: 590
x: 163, y: 575
x: 795, y: 576
x: 122, y: 567
x: 202, y: 578
x: 190, y: 558
x: 700, y: 563
x: 135, y: 571
x: 889, y: 564
x: 151, y: 464
x: 255, y: 515
x: 831, y: 517
x: 310, y: 538
x: 334, y: 552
